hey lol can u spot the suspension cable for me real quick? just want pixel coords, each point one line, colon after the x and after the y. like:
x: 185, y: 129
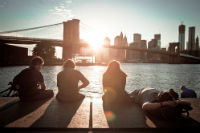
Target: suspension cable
x: 19, y: 30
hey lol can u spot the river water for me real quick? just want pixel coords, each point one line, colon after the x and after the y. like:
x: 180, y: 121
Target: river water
x: 160, y: 76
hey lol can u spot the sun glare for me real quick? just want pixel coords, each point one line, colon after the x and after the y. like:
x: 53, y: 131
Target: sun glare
x: 95, y: 40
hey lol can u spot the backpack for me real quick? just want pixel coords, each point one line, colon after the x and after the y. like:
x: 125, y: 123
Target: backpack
x: 168, y: 112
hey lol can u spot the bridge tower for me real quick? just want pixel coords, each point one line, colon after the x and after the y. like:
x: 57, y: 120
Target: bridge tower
x: 71, y: 38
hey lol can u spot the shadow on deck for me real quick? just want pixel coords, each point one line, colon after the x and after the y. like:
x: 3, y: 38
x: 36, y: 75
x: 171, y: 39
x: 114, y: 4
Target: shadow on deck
x: 54, y: 115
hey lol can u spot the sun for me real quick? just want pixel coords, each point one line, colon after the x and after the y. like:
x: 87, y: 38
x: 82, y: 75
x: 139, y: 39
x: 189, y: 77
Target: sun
x: 95, y: 40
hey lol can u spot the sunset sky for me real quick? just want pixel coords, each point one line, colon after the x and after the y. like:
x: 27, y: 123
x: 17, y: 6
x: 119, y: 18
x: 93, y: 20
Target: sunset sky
x: 105, y: 17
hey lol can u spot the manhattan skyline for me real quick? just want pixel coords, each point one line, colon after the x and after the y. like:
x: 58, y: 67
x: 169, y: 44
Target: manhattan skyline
x: 106, y: 17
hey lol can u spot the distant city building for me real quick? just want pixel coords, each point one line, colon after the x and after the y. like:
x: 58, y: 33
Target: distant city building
x: 137, y: 37
x: 153, y: 44
x: 120, y: 40
x: 197, y: 43
x: 158, y: 38
x: 125, y: 41
x: 106, y: 52
x: 164, y: 49
x: 191, y: 39
x: 143, y: 44
x: 182, y: 37
x: 134, y: 55
x: 106, y: 41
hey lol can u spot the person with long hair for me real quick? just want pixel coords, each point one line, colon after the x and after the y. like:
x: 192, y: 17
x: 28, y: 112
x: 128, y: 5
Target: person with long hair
x: 67, y: 82
x: 114, y: 82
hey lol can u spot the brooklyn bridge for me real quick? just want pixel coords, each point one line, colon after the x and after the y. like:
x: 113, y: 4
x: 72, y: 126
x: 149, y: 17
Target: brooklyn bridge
x: 72, y: 45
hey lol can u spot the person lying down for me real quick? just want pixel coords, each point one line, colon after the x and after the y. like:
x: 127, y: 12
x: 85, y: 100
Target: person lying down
x: 161, y: 104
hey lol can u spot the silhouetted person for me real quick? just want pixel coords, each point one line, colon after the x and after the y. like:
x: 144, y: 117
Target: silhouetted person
x: 30, y: 82
x: 158, y: 103
x: 67, y: 82
x: 188, y: 93
x: 114, y: 81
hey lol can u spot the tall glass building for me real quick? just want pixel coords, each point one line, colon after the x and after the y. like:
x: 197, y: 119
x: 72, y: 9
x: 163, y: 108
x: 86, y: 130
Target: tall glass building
x: 182, y: 37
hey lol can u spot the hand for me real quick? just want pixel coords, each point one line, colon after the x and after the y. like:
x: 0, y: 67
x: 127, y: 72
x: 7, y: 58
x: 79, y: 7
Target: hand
x: 183, y: 102
x: 170, y: 103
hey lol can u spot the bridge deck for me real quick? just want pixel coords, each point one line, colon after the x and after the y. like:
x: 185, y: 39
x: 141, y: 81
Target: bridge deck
x: 83, y: 114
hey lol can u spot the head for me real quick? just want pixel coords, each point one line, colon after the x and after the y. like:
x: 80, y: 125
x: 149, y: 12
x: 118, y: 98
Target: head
x: 69, y: 64
x: 182, y: 88
x: 168, y: 95
x: 114, y: 67
x: 37, y: 62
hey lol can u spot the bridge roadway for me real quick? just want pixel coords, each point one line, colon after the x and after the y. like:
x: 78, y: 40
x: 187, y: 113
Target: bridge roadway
x: 57, y: 42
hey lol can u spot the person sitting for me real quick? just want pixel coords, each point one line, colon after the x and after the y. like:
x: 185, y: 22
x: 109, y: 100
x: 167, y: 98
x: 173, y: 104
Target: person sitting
x: 67, y: 82
x: 114, y: 81
x: 188, y: 93
x: 30, y: 82
x: 161, y: 104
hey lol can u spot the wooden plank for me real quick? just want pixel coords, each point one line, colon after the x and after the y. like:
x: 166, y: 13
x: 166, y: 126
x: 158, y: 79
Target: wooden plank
x: 29, y: 119
x: 81, y: 117
x: 47, y: 114
x: 53, y: 114
x: 123, y: 116
x: 195, y: 103
x: 65, y: 115
x: 5, y: 102
x: 98, y: 117
x: 20, y: 111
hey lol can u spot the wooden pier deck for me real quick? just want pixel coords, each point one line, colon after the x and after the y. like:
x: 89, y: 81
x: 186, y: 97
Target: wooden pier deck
x: 87, y: 114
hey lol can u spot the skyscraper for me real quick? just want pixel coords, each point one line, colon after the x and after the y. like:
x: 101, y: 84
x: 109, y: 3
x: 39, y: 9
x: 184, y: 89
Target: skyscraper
x: 158, y: 38
x: 120, y: 40
x: 107, y: 41
x: 191, y: 39
x: 137, y: 37
x: 182, y: 37
x: 197, y: 43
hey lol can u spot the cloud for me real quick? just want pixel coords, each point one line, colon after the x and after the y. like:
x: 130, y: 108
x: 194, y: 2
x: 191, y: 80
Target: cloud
x: 62, y: 10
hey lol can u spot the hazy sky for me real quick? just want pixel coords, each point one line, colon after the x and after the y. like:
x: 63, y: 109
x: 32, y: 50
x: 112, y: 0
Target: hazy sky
x: 105, y: 17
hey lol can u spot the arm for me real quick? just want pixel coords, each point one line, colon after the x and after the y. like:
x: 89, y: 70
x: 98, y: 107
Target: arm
x: 17, y: 80
x: 41, y: 81
x: 150, y: 106
x: 154, y: 106
x: 124, y: 83
x: 43, y: 86
x: 84, y: 81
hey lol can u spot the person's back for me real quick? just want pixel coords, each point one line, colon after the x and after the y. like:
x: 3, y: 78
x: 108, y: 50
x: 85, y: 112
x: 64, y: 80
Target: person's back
x: 188, y: 93
x: 114, y: 81
x: 30, y: 82
x: 67, y: 82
